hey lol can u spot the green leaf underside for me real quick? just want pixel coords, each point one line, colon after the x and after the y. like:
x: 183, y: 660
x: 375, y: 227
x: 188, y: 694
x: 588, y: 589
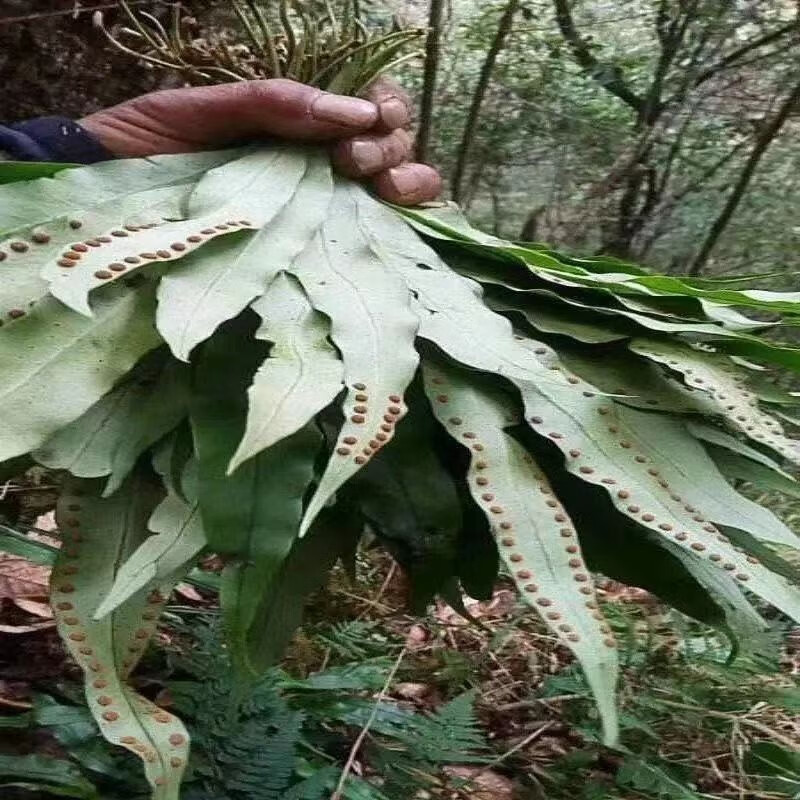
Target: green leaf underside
x: 470, y: 333
x: 302, y: 375
x: 726, y: 385
x: 178, y: 538
x: 346, y: 276
x: 636, y: 382
x: 55, y: 353
x: 109, y: 437
x: 741, y: 619
x: 215, y: 209
x: 681, y: 459
x: 618, y: 547
x: 158, y: 413
x: 608, y: 455
x: 73, y: 192
x: 26, y: 280
x: 254, y: 513
x: 535, y: 537
x: 450, y: 310
x: 98, y: 535
x: 156, y: 241
x: 216, y: 284
x: 568, y: 408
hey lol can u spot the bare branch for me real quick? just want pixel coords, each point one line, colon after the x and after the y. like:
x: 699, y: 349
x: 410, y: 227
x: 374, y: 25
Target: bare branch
x: 736, y: 55
x: 765, y: 138
x: 470, y: 126
x: 608, y: 76
x: 432, y: 47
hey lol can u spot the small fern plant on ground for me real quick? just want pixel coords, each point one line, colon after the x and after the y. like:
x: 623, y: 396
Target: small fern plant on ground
x: 240, y: 352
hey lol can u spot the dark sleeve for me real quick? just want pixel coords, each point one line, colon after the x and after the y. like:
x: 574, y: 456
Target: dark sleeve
x: 51, y: 139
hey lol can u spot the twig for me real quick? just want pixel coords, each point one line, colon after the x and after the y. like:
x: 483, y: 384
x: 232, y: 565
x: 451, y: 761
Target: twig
x: 365, y: 600
x: 741, y: 720
x: 375, y: 601
x: 337, y: 795
x: 516, y: 748
x: 523, y: 704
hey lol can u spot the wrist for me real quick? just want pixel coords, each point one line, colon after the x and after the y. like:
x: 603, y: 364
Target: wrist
x: 54, y: 139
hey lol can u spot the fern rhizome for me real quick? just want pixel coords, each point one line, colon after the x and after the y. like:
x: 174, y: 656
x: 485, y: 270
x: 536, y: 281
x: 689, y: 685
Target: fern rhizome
x: 241, y: 352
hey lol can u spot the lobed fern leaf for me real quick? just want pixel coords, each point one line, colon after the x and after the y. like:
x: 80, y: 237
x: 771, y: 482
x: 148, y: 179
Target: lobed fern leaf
x: 572, y: 407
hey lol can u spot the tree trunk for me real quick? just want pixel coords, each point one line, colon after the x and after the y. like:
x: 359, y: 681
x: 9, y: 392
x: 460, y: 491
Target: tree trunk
x: 768, y: 133
x: 432, y: 48
x: 530, y: 230
x: 470, y: 127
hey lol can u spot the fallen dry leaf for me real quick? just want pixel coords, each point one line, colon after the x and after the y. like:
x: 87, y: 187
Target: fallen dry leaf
x: 46, y: 522
x: 36, y: 626
x: 502, y: 603
x: 416, y: 636
x: 42, y: 610
x: 21, y: 578
x: 411, y: 691
x: 483, y: 784
x: 189, y: 593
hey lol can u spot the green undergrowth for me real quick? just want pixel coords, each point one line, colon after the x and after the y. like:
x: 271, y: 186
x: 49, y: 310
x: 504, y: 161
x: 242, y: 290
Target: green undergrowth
x: 694, y: 723
x: 288, y: 740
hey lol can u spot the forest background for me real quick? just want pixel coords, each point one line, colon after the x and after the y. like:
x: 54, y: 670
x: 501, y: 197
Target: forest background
x: 655, y: 130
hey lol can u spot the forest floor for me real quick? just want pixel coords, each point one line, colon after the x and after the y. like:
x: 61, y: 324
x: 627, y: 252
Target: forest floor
x: 408, y: 707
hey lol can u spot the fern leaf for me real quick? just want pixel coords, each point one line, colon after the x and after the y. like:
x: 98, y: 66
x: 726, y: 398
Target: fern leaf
x: 346, y: 276
x: 725, y: 384
x: 535, y: 536
x: 109, y: 437
x: 450, y: 735
x: 254, y: 513
x: 97, y: 531
x: 635, y: 484
x: 736, y: 467
x: 179, y: 537
x: 635, y: 382
x: 215, y: 285
x: 73, y: 192
x: 302, y: 375
x: 77, y: 359
x: 682, y: 459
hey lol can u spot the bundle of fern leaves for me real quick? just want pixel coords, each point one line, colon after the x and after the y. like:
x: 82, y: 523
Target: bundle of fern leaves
x: 240, y: 352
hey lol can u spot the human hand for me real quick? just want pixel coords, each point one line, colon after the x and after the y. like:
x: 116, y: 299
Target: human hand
x: 369, y: 135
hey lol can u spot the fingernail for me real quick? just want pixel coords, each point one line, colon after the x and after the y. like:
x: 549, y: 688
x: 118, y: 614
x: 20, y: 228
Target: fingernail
x: 347, y: 111
x: 394, y: 113
x: 367, y: 156
x: 404, y: 180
